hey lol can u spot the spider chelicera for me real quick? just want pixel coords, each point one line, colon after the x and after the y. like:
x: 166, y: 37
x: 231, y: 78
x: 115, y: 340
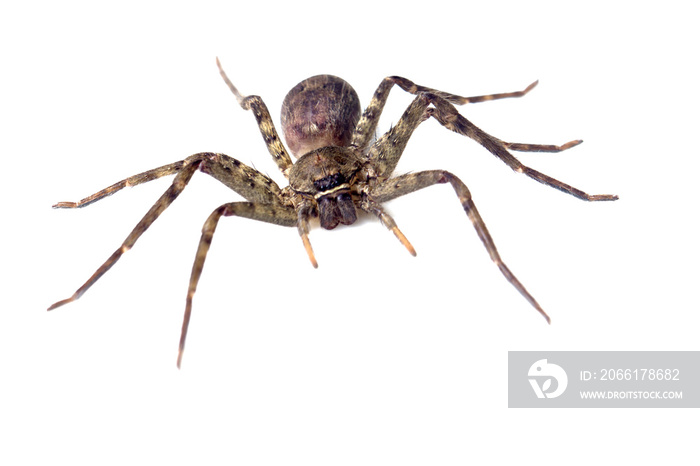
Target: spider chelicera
x: 340, y: 168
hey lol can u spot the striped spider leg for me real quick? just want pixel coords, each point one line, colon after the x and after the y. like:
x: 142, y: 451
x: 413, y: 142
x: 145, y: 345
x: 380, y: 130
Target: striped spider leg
x: 445, y: 112
x: 385, y: 153
x: 265, y: 202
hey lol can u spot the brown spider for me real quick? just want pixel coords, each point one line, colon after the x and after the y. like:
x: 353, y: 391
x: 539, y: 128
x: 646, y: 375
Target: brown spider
x: 340, y: 169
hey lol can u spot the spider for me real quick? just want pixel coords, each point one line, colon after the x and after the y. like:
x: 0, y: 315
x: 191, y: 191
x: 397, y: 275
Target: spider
x: 340, y: 168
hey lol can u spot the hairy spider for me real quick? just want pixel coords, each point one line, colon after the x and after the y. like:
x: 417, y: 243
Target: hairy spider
x: 340, y: 169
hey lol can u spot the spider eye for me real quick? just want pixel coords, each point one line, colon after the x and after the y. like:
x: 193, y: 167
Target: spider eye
x: 330, y: 182
x: 336, y: 208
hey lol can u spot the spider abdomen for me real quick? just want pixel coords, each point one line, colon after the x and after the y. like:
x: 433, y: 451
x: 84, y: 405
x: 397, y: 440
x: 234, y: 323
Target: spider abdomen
x: 318, y: 112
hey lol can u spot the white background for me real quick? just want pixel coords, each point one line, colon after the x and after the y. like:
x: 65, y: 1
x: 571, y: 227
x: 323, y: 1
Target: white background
x: 377, y: 357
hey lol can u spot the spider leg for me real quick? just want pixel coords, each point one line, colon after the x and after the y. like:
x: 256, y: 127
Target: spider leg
x: 179, y: 183
x: 373, y: 207
x: 450, y: 118
x: 248, y: 182
x: 413, y: 88
x: 234, y: 174
x: 411, y: 182
x: 303, y: 213
x: 265, y: 124
x: 386, y: 151
x: 520, y: 147
x: 272, y: 213
x: 368, y: 121
x: 144, y: 177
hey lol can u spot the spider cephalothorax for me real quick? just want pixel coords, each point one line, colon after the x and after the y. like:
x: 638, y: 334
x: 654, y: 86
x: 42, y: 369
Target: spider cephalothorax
x: 340, y: 169
x: 327, y: 176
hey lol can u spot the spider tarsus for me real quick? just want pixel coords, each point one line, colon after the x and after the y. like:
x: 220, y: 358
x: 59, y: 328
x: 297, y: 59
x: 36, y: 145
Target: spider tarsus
x: 185, y: 326
x: 570, y: 144
x: 239, y: 96
x: 309, y: 251
x: 60, y: 303
x: 404, y: 241
x: 65, y: 205
x: 534, y: 303
x: 603, y: 197
x: 546, y: 317
x: 542, y: 147
x: 531, y: 86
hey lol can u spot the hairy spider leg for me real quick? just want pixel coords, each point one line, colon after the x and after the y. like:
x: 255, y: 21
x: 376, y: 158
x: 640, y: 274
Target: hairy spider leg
x: 248, y: 182
x: 303, y: 214
x: 372, y: 206
x: 364, y: 131
x: 406, y: 184
x: 181, y: 179
x: 134, y: 180
x: 385, y: 154
x: 413, y: 88
x: 271, y: 213
x: 265, y: 124
x: 448, y: 116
